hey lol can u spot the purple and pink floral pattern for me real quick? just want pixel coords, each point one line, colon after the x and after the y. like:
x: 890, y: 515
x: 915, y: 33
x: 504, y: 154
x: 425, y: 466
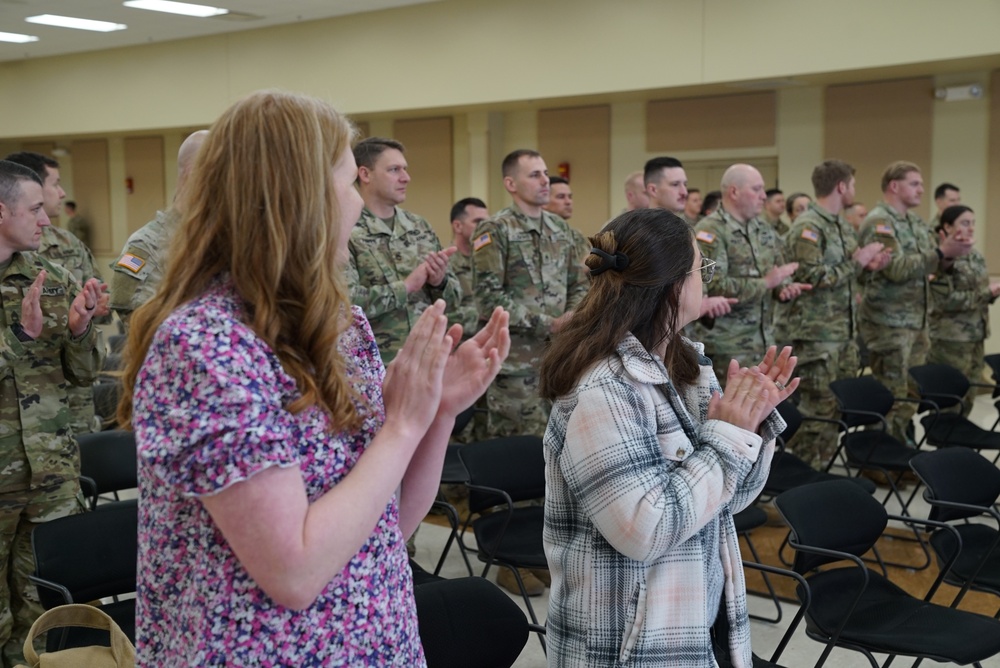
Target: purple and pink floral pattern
x: 210, y: 412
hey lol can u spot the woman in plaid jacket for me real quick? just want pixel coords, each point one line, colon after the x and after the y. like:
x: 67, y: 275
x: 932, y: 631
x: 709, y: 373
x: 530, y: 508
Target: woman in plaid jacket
x: 646, y: 462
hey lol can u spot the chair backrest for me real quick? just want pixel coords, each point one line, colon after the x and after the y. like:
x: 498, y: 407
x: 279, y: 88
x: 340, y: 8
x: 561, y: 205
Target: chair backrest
x: 957, y: 475
x: 106, y: 396
x: 993, y: 362
x: 792, y: 417
x: 109, y: 458
x: 940, y: 379
x: 92, y: 555
x: 833, y: 515
x: 514, y: 464
x: 863, y: 393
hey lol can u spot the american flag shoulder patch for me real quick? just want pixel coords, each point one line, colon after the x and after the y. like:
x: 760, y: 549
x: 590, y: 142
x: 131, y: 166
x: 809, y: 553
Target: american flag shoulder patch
x: 131, y: 262
x: 810, y: 235
x: 885, y: 229
x: 706, y: 236
x: 482, y: 241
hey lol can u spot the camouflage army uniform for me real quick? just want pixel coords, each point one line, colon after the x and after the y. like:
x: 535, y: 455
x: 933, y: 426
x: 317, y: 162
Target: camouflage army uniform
x: 779, y: 225
x: 893, y: 314
x: 466, y: 314
x: 959, y: 320
x: 529, y: 267
x: 822, y: 323
x: 581, y: 244
x: 381, y: 258
x: 743, y: 255
x: 139, y: 269
x: 63, y: 248
x: 39, y: 459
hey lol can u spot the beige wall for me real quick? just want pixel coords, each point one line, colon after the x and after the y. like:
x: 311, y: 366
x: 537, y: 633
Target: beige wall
x: 485, y: 67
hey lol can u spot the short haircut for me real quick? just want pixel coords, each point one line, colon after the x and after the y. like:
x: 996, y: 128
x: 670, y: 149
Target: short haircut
x: 367, y: 151
x: 36, y: 162
x: 553, y: 180
x: 951, y: 214
x: 458, y: 208
x: 11, y: 176
x: 69, y: 204
x: 692, y: 191
x: 790, y: 202
x: 771, y: 192
x: 897, y: 171
x: 827, y: 174
x: 513, y: 159
x: 943, y: 189
x: 655, y: 166
x: 710, y: 202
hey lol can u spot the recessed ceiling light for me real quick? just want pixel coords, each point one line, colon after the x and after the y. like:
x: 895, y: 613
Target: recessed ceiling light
x: 17, y: 38
x: 79, y: 24
x: 184, y: 8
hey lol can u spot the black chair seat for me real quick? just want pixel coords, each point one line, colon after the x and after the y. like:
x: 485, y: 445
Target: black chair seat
x: 877, y: 448
x: 454, y: 471
x: 521, y: 543
x: 952, y: 429
x: 977, y: 539
x: 749, y: 518
x: 887, y: 619
x: 788, y: 471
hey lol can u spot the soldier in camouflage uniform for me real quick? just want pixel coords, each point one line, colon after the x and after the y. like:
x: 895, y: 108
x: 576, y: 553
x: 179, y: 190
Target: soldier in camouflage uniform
x: 524, y: 260
x: 47, y: 341
x: 139, y: 269
x: 822, y: 322
x: 750, y: 267
x: 774, y: 206
x: 61, y: 247
x: 894, y: 308
x: 945, y: 195
x: 397, y: 267
x: 960, y: 301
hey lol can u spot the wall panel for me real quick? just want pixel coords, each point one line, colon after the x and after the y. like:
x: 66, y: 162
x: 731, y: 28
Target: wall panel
x: 581, y: 138
x: 872, y: 124
x: 721, y: 122
x: 428, y: 143
x: 144, y: 168
x: 92, y: 189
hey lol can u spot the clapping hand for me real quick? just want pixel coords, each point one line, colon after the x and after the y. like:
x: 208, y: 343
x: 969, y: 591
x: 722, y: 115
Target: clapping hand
x: 474, y: 365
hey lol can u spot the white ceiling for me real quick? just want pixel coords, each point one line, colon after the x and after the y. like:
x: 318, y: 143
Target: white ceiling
x: 146, y: 27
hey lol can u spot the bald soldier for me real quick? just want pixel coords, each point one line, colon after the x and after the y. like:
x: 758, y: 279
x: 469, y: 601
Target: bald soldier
x: 635, y: 192
x: 750, y: 267
x: 139, y: 269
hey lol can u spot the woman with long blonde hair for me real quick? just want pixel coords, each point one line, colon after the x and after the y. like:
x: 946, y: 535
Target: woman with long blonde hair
x: 281, y: 467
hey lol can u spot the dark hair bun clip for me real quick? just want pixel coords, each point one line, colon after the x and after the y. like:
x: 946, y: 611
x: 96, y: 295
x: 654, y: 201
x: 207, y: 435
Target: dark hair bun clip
x: 618, y: 261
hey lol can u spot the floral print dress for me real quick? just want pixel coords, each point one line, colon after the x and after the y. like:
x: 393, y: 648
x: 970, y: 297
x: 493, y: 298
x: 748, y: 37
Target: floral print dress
x: 209, y: 413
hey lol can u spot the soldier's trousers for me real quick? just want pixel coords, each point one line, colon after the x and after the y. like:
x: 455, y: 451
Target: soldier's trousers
x: 966, y: 356
x: 820, y: 363
x: 19, y: 513
x: 892, y: 351
x: 515, y: 409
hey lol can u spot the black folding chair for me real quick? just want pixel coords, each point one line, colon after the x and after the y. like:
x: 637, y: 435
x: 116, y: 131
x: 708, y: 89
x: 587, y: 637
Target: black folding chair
x: 942, y: 391
x: 503, y: 472
x: 86, y: 557
x: 962, y: 484
x: 859, y: 609
x: 108, y: 463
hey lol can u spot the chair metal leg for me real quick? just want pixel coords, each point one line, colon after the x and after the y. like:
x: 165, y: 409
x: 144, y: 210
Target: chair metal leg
x: 773, y: 595
x: 452, y: 515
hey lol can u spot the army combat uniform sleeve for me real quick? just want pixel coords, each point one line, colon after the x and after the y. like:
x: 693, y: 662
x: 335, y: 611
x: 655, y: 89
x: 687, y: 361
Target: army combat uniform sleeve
x: 964, y: 287
x: 714, y: 244
x: 450, y: 290
x: 903, y: 266
x: 489, y: 260
x: 375, y: 300
x: 807, y: 245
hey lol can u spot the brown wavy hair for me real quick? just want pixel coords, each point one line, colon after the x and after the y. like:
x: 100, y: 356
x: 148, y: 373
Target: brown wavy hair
x: 643, y: 299
x: 260, y: 209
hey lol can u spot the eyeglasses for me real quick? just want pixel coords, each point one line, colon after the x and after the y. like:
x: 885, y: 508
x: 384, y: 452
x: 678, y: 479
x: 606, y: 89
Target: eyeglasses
x: 707, y: 270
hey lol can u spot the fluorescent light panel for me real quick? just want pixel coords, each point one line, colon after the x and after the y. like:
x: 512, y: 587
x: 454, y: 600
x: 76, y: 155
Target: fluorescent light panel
x: 184, y: 8
x: 17, y: 38
x: 78, y: 24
